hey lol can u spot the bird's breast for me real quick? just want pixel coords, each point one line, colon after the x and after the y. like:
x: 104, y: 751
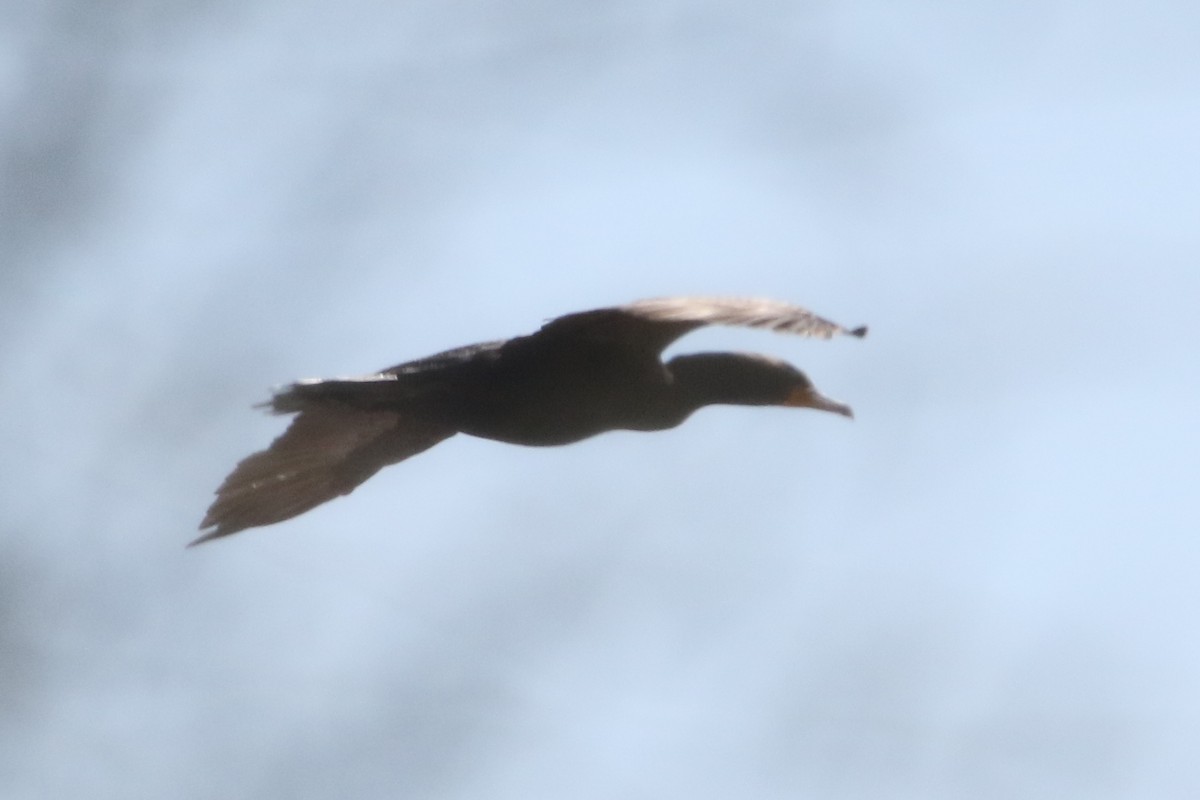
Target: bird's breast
x: 541, y: 413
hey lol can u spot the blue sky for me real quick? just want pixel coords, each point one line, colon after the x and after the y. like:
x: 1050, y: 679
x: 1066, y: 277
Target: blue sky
x: 982, y: 587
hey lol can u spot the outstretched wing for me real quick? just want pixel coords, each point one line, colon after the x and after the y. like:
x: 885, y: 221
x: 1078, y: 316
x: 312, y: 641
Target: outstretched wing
x: 752, y: 313
x: 654, y: 324
x: 327, y: 451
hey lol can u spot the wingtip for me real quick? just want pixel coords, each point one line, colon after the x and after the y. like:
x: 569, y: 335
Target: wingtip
x: 216, y: 533
x: 201, y: 540
x: 860, y: 331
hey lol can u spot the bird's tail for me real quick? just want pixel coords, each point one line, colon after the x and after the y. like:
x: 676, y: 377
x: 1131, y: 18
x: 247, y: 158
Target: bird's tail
x: 368, y: 393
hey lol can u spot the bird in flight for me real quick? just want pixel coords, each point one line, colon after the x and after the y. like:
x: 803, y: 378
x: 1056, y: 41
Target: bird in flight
x: 579, y: 375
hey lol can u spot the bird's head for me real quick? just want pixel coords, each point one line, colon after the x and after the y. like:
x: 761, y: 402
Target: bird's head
x: 748, y: 379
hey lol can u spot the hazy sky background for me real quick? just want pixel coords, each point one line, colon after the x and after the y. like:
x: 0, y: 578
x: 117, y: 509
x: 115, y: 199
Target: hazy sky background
x: 984, y: 587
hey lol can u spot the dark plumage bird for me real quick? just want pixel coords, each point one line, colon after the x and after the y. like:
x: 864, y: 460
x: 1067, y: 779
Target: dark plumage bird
x: 580, y: 375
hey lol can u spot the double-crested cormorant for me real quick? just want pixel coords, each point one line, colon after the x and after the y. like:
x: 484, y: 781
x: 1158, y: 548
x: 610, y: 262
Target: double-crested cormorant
x: 580, y: 375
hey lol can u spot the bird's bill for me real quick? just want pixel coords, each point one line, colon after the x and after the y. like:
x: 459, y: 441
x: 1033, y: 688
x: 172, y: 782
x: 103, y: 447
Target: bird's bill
x: 811, y: 398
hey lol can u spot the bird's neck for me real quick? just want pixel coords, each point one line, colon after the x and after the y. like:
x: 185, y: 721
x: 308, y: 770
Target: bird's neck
x: 702, y: 379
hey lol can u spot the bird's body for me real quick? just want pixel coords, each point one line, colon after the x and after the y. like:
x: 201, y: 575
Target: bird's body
x: 522, y: 392
x: 580, y: 375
